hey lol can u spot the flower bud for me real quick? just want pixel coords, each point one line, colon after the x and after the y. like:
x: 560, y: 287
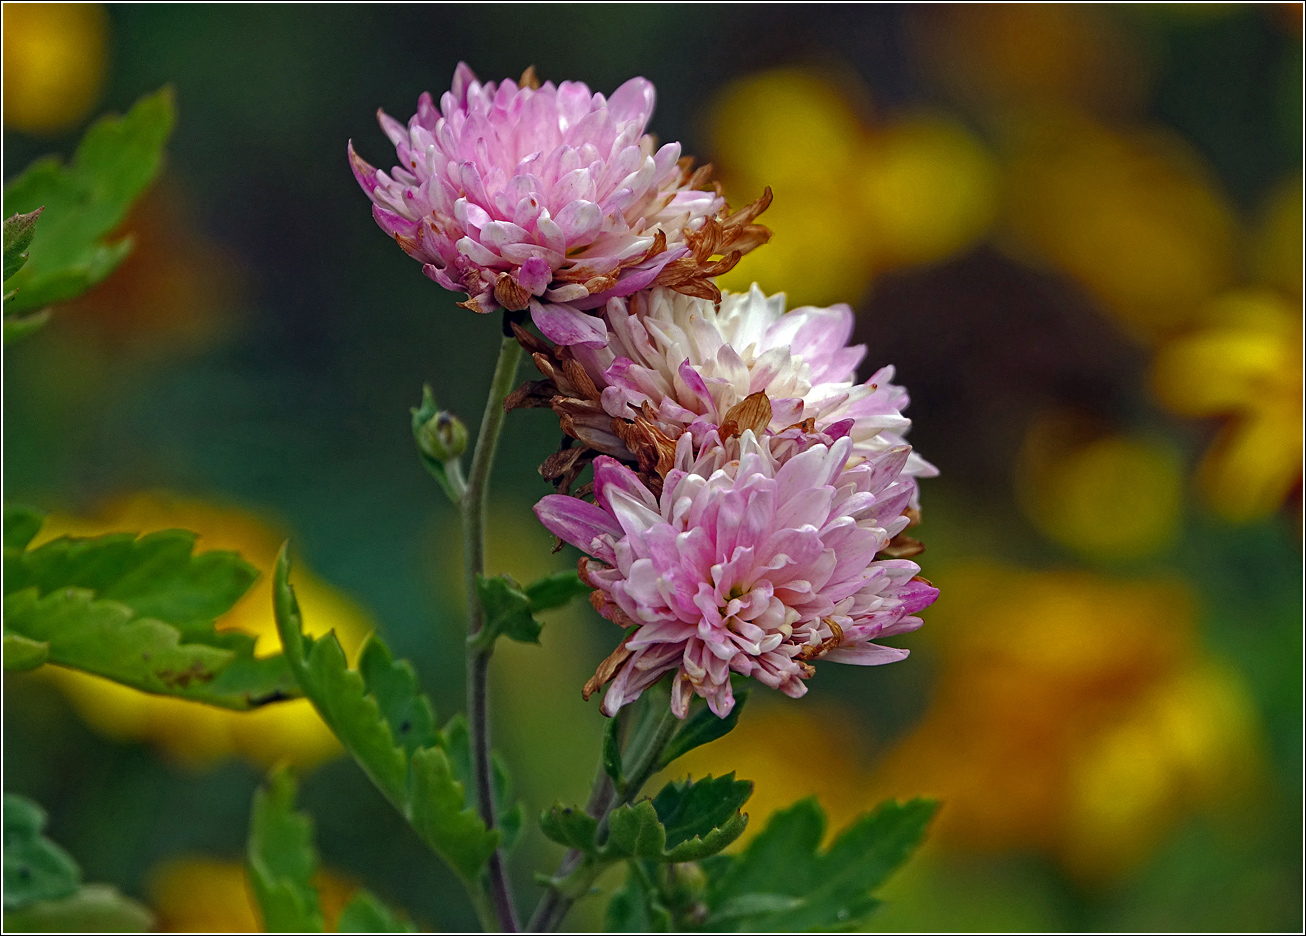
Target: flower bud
x: 443, y: 437
x: 440, y: 434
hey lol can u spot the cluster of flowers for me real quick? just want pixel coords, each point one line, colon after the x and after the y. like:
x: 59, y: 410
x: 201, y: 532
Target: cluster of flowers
x: 749, y: 495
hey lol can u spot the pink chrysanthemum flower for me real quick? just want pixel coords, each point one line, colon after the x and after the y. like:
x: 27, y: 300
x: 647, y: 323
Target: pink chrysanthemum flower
x: 746, y: 563
x: 547, y: 197
x: 687, y: 364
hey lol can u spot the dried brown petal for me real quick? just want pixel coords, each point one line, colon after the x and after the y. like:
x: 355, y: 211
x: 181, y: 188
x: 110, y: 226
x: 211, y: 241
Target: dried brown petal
x: 528, y: 79
x: 752, y: 412
x: 607, y: 670
x: 511, y: 295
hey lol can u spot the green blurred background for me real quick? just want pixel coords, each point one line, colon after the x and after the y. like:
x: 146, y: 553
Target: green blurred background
x: 1076, y: 230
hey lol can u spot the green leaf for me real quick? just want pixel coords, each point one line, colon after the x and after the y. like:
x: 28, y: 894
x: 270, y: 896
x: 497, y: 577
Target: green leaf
x: 636, y: 907
x: 35, y: 868
x: 701, y: 727
x: 19, y: 231
x: 385, y: 724
x: 280, y: 859
x: 570, y: 826
x: 85, y: 200
x: 24, y: 654
x: 831, y: 889
x: 507, y: 612
x: 18, y: 327
x: 686, y: 821
x: 365, y: 914
x: 554, y: 591
x: 139, y: 611
x: 701, y: 818
x: 95, y: 908
x: 21, y: 524
x: 394, y: 685
x: 442, y: 818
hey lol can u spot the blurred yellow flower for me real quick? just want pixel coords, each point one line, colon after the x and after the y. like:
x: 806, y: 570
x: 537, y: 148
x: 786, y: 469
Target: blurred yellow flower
x: 1134, y: 217
x: 1106, y: 495
x: 54, y: 58
x: 929, y: 189
x: 851, y: 200
x: 191, y: 733
x: 208, y: 895
x: 1243, y: 362
x: 1074, y: 715
x: 1277, y: 256
x: 999, y: 56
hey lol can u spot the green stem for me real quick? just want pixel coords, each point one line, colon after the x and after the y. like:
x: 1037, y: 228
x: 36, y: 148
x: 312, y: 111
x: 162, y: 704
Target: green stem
x: 478, y: 659
x: 649, y: 740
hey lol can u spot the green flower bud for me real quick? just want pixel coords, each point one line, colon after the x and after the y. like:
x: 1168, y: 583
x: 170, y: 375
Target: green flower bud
x: 440, y: 434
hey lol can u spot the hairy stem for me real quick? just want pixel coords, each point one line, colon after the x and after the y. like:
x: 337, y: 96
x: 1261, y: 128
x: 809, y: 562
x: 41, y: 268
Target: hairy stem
x: 650, y: 738
x: 478, y: 659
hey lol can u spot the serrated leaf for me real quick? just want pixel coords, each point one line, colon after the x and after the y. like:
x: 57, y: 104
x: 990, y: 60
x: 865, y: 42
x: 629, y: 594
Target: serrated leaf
x: 507, y: 612
x: 394, y: 685
x: 108, y: 639
x: 85, y: 200
x: 280, y: 859
x: 95, y: 908
x: 554, y: 591
x: 833, y: 888
x: 157, y: 575
x: 703, y: 817
x: 366, y: 914
x: 139, y: 611
x: 440, y: 816
x: 19, y: 230
x: 634, y: 832
x: 635, y: 908
x: 418, y: 780
x: 22, y: 653
x: 570, y: 826
x: 458, y: 745
x: 702, y: 727
x: 35, y: 868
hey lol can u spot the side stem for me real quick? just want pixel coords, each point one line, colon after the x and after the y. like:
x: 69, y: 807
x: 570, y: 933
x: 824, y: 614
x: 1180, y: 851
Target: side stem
x: 478, y: 660
x: 646, y: 748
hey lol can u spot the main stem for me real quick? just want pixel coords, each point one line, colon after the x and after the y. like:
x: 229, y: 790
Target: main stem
x: 478, y: 660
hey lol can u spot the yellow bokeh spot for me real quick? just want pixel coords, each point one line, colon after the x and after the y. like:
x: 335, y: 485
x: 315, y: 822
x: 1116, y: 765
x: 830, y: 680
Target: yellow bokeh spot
x: 191, y: 733
x: 54, y: 58
x: 929, y: 188
x: 1243, y: 362
x: 207, y: 895
x: 1191, y: 740
x: 815, y: 255
x: 786, y: 128
x: 1074, y: 714
x: 1108, y: 496
x: 1133, y: 217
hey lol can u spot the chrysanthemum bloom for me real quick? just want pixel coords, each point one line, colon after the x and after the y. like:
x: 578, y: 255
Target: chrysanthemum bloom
x: 551, y: 198
x: 677, y: 363
x: 746, y: 563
